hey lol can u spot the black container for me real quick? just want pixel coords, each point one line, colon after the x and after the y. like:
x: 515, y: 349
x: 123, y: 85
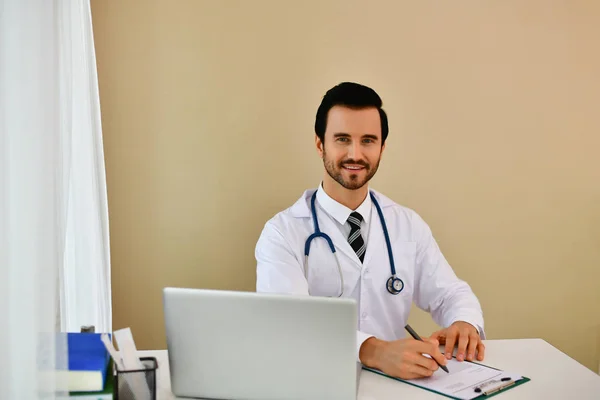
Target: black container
x: 122, y: 391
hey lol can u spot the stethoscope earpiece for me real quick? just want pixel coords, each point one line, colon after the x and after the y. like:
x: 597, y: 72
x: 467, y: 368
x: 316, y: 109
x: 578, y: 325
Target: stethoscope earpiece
x: 394, y: 285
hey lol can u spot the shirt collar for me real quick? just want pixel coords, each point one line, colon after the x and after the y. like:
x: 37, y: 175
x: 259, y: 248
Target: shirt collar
x: 339, y: 211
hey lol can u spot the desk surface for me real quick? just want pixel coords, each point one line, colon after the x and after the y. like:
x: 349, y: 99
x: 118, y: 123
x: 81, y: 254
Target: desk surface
x: 553, y: 374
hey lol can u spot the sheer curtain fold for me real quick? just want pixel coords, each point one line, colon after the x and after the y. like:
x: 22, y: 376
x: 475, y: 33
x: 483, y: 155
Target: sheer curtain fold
x: 54, y: 248
x: 87, y: 257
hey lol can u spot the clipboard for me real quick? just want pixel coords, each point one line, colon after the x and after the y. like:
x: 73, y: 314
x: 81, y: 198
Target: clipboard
x: 487, y: 391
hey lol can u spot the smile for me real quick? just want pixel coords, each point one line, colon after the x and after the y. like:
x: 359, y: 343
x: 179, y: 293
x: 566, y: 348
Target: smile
x: 353, y: 167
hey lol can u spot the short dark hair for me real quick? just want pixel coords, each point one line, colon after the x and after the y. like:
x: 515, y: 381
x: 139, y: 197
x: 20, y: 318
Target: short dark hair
x: 352, y: 95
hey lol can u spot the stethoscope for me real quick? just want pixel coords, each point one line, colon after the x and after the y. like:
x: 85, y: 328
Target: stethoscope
x: 394, y: 284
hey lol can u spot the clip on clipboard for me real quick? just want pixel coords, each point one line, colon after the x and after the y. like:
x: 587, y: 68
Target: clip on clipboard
x: 466, y: 381
x: 495, y: 385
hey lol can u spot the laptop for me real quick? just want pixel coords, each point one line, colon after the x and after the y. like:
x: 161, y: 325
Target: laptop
x: 259, y: 346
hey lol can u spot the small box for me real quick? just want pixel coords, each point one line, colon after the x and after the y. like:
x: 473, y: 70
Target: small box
x: 122, y: 391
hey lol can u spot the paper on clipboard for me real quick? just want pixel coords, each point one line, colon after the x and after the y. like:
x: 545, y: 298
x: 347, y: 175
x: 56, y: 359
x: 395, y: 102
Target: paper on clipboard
x: 462, y: 380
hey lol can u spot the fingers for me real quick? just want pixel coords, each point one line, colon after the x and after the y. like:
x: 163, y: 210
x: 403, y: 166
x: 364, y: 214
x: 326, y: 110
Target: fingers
x: 412, y: 359
x: 463, y: 340
x: 480, y: 350
x: 440, y: 336
x: 473, y: 341
x: 451, y: 334
x: 432, y: 349
x: 425, y: 362
x: 417, y: 371
x: 417, y: 366
x: 403, y: 359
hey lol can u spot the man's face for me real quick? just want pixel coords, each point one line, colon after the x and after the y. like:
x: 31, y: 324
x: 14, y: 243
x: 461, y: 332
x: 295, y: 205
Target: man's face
x: 352, y: 148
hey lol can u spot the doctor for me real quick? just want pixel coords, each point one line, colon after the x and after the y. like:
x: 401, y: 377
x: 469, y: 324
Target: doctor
x: 368, y: 248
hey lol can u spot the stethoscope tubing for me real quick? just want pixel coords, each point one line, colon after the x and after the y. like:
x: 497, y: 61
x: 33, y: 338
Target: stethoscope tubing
x: 318, y: 234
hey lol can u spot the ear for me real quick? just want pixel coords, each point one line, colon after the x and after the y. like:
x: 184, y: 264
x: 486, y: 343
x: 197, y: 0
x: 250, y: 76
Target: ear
x: 319, y: 145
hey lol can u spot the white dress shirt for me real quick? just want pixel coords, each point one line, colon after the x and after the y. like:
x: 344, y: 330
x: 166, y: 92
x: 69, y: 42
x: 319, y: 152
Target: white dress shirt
x: 340, y: 213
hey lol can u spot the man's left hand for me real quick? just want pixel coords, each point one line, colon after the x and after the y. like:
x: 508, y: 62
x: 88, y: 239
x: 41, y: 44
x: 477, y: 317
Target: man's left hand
x: 465, y: 336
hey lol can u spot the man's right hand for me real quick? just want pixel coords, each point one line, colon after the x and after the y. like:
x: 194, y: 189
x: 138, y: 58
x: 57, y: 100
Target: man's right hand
x: 402, y: 358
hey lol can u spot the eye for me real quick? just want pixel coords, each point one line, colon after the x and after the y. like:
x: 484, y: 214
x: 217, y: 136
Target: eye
x: 342, y: 139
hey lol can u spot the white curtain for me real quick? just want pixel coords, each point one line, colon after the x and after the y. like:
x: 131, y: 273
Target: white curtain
x: 54, y: 247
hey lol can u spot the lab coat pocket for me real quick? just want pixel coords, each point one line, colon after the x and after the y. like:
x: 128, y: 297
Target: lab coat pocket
x: 323, y: 275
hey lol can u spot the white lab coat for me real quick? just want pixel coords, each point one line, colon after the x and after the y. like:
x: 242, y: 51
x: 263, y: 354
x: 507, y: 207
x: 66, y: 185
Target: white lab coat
x: 428, y: 279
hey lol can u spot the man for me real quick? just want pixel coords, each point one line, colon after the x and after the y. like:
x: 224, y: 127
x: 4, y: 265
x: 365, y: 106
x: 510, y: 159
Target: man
x: 351, y: 129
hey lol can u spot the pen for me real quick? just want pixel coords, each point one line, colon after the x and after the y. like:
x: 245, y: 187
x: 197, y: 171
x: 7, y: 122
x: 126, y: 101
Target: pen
x: 416, y: 336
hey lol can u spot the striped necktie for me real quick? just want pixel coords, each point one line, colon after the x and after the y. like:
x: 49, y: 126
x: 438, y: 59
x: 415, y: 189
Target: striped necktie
x: 354, y: 238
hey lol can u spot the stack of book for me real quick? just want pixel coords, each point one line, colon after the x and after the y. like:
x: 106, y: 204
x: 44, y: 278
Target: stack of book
x: 90, y: 368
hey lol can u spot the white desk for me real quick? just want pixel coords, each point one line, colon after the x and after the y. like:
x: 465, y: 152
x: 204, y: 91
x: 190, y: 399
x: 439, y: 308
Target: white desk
x: 553, y: 375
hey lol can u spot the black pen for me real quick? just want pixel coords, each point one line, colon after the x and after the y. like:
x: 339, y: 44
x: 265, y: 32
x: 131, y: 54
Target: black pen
x: 416, y: 336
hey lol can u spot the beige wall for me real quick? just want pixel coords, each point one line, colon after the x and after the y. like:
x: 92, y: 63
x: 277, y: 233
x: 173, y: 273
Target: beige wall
x: 208, y: 111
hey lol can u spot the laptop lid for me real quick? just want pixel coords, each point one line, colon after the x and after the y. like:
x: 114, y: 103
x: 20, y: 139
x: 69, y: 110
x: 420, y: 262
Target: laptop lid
x: 246, y: 345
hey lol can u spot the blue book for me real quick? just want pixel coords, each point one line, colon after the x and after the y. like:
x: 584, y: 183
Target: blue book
x: 88, y: 362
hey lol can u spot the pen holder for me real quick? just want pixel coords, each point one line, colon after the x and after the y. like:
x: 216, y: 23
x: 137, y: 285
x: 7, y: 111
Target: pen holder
x: 127, y: 382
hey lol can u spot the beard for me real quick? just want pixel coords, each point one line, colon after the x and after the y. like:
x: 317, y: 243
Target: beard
x: 353, y: 182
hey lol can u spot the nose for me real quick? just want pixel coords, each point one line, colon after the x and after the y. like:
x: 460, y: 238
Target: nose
x: 354, y: 151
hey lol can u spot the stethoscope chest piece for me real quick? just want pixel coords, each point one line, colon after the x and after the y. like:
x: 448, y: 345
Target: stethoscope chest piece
x: 394, y: 285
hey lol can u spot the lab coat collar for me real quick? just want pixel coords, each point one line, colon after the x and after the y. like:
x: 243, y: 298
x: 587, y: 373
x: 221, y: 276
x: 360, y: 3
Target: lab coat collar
x: 301, y: 209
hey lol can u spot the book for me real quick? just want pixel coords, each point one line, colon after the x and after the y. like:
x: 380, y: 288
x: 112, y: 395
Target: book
x: 105, y: 394
x: 88, y: 363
